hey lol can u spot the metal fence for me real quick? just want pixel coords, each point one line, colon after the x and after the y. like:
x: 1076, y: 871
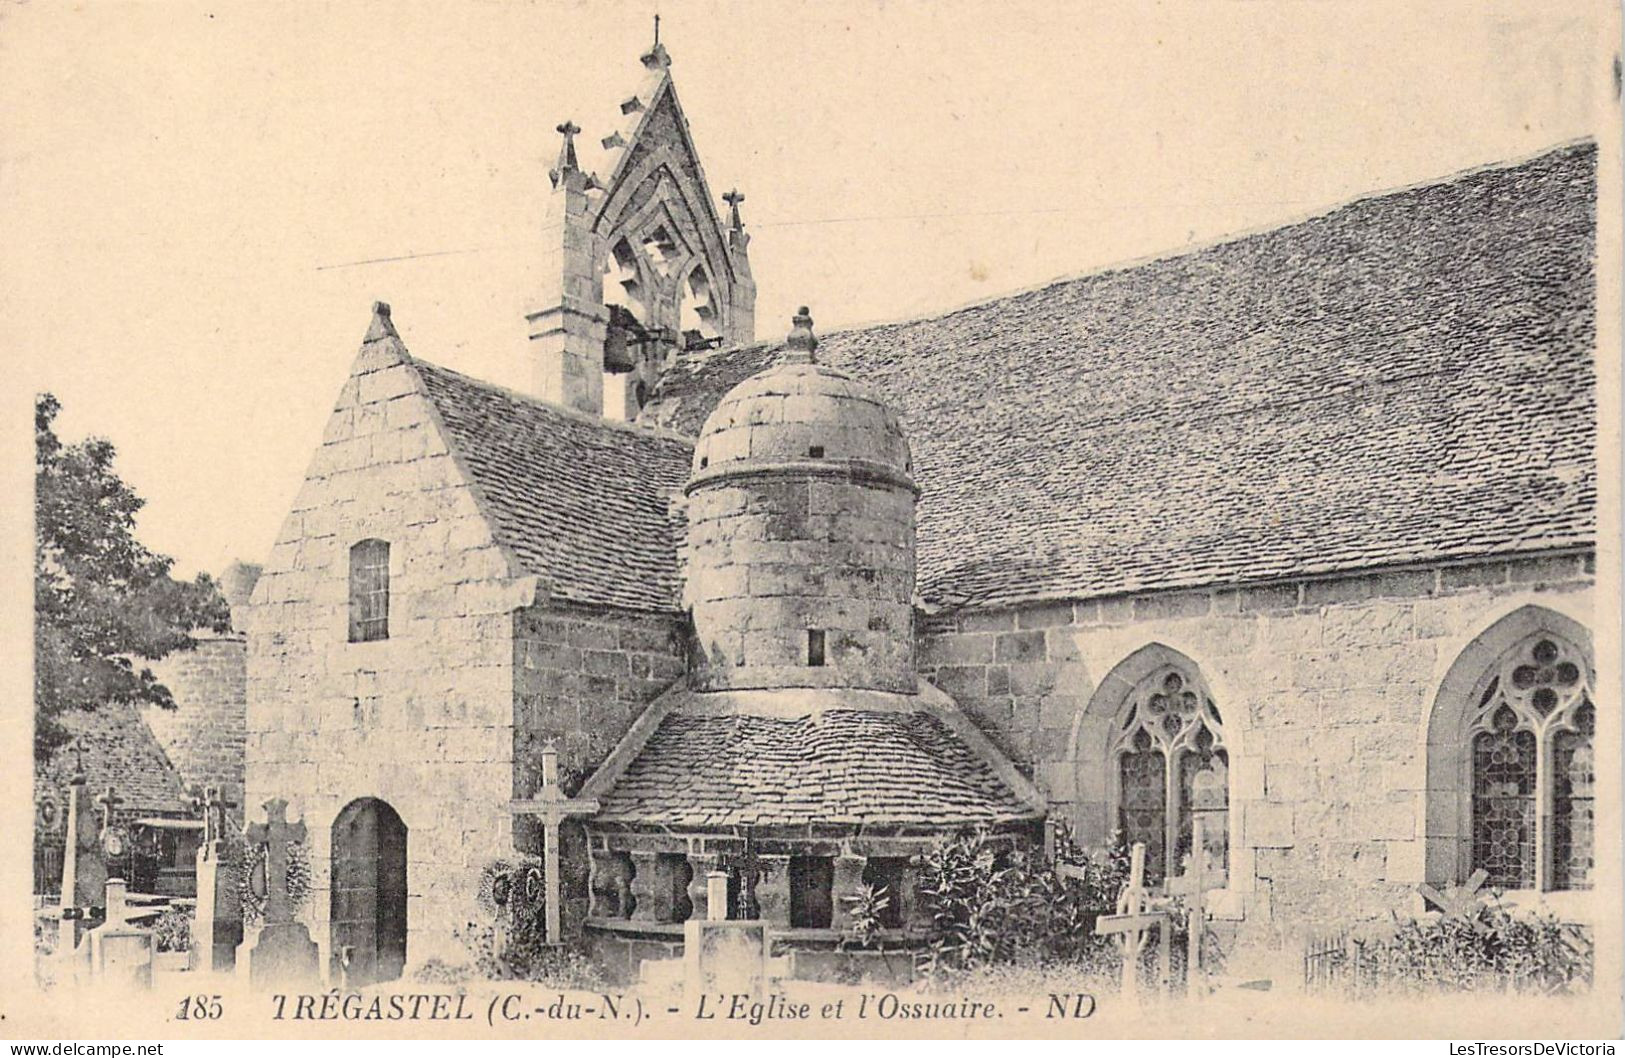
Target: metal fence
x: 1341, y: 962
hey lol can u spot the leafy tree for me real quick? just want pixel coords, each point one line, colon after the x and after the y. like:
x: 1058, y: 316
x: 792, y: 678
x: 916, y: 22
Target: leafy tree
x: 102, y: 601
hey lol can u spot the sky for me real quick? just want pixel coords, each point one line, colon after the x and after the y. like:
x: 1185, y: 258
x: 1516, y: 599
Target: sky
x: 200, y: 202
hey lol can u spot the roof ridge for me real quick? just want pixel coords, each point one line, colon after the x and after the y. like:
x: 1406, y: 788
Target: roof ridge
x: 634, y: 428
x: 1239, y: 235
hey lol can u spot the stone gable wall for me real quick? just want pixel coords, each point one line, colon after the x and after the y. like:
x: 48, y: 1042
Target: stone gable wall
x: 1325, y: 687
x: 422, y: 720
x: 582, y: 675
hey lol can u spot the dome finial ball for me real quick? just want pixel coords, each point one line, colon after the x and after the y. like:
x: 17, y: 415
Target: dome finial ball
x: 802, y: 342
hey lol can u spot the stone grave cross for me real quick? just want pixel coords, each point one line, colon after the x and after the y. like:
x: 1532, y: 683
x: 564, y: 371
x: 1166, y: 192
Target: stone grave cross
x: 215, y: 806
x: 1192, y: 885
x: 276, y: 834
x: 1457, y: 901
x: 553, y: 808
x: 751, y: 867
x: 109, y: 802
x: 1135, y: 920
x: 283, y: 952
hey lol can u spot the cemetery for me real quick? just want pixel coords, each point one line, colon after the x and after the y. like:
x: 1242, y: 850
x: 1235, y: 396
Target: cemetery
x: 1086, y: 921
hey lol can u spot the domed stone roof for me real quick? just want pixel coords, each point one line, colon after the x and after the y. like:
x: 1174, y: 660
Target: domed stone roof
x: 800, y: 411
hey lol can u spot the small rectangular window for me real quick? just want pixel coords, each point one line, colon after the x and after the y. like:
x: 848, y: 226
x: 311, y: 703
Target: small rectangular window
x: 816, y: 451
x: 815, y: 646
x: 369, y: 591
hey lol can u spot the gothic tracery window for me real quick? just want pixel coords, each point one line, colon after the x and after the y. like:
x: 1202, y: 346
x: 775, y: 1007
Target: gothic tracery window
x: 1532, y: 768
x: 1171, y: 768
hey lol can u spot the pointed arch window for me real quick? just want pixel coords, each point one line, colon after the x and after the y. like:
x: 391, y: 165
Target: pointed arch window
x: 698, y: 316
x: 369, y: 591
x: 1170, y: 767
x: 1532, y: 768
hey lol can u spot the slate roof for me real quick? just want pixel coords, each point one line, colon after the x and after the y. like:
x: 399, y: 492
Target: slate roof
x: 1405, y: 378
x: 838, y: 766
x: 118, y: 750
x: 581, y: 502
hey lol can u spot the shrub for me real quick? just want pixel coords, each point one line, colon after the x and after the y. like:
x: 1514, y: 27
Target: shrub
x: 437, y: 971
x: 1494, y: 948
x: 989, y: 906
x: 527, y: 956
x: 172, y: 929
x: 864, y: 916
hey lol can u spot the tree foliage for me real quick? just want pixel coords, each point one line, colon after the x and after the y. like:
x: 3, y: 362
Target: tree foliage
x: 102, y: 602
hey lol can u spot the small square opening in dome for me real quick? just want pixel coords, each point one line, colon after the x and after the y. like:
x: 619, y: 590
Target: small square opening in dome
x: 816, y: 451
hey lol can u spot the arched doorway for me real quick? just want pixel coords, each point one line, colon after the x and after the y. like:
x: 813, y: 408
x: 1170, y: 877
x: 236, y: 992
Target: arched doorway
x: 368, y: 908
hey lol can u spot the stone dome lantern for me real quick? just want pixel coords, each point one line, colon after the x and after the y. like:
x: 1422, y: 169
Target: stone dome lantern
x: 801, y: 533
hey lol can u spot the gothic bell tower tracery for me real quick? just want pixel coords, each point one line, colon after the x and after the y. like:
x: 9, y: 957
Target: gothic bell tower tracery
x: 640, y: 263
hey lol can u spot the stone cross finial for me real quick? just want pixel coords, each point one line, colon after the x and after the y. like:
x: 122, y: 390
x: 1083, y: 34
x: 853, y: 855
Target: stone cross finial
x: 733, y: 198
x: 109, y: 801
x: 802, y: 342
x: 276, y: 834
x: 215, y: 805
x: 567, y: 153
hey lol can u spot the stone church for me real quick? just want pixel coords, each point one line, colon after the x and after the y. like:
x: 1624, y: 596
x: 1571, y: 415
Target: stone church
x: 1292, y: 534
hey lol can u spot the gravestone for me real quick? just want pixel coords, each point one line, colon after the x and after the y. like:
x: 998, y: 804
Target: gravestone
x: 725, y: 955
x: 282, y: 952
x: 120, y: 953
x: 217, y: 926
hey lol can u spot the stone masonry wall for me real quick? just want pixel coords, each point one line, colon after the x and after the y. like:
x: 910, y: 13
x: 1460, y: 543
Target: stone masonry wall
x: 581, y: 677
x: 770, y: 558
x: 203, y: 735
x: 1325, y: 687
x: 423, y: 719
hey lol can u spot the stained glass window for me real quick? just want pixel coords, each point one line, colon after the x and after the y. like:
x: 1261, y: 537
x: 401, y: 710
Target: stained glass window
x: 1143, y: 804
x: 1573, y: 774
x: 1204, y: 793
x: 1171, y: 717
x: 1533, y: 769
x: 1504, y: 803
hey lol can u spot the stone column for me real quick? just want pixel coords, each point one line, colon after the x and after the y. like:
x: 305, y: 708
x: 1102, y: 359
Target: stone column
x: 117, y: 889
x: 645, y: 887
x: 699, y: 885
x: 716, y: 884
x: 848, y: 884
x: 773, y: 890
x: 909, y: 905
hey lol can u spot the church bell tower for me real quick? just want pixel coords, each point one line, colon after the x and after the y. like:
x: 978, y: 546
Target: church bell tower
x: 640, y: 264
